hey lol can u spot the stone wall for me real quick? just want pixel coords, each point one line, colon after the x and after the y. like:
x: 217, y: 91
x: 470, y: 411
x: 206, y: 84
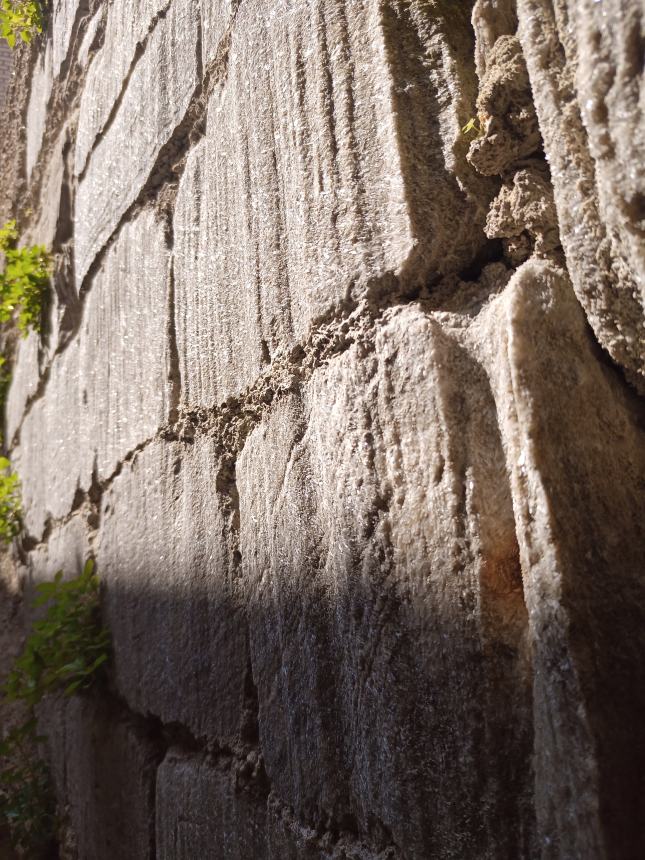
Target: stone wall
x: 5, y: 71
x: 346, y: 403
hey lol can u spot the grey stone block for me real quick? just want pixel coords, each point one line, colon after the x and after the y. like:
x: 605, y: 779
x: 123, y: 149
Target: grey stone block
x: 179, y: 630
x: 307, y: 190
x: 104, y: 767
x: 144, y: 121
x: 205, y: 809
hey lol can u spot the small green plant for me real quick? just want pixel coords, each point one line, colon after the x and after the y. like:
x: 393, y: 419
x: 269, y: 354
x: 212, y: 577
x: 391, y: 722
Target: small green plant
x: 26, y: 796
x: 68, y: 647
x: 20, y: 19
x: 65, y: 653
x: 473, y: 125
x: 10, y: 519
x: 24, y: 282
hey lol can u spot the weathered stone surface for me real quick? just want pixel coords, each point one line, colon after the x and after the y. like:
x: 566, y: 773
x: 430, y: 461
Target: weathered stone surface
x: 24, y: 382
x: 380, y: 540
x: 51, y: 459
x: 67, y: 549
x: 523, y: 213
x: 110, y: 390
x: 104, y: 765
x: 179, y: 633
x: 367, y: 506
x: 216, y: 17
x: 128, y: 27
x: 40, y: 90
x: 189, y: 788
x: 505, y: 108
x: 577, y: 461
x: 308, y: 190
x: 585, y: 64
x: 90, y: 37
x: 380, y: 555
x: 491, y: 19
x: 153, y: 105
x: 62, y: 16
x: 289, y: 839
x: 126, y: 357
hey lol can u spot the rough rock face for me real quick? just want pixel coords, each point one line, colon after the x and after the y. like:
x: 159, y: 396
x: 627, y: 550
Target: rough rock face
x: 347, y: 406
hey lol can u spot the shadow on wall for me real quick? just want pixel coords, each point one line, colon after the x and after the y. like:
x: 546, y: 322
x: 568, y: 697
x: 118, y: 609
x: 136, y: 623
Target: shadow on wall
x: 407, y: 622
x: 374, y: 723
x: 367, y: 720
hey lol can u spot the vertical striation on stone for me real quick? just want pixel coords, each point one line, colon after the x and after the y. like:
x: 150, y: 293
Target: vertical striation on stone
x: 327, y: 389
x: 153, y: 105
x: 178, y: 627
x: 109, y: 390
x: 377, y: 579
x: 318, y: 179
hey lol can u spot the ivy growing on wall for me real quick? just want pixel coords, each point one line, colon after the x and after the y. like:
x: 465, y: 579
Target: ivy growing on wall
x: 24, y: 280
x: 65, y: 653
x: 10, y: 519
x: 20, y: 19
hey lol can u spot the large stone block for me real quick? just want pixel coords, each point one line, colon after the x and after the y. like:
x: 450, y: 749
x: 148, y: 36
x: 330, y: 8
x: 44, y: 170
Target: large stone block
x: 308, y: 189
x: 576, y: 455
x: 127, y: 28
x: 52, y: 458
x: 207, y: 809
x: 379, y: 552
x: 104, y: 766
x: 153, y: 105
x: 109, y: 390
x: 585, y: 63
x: 67, y: 549
x: 180, y: 637
x: 62, y: 19
x: 126, y: 362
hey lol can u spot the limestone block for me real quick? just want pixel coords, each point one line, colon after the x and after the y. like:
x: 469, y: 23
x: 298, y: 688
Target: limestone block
x: 39, y: 93
x: 126, y: 389
x: 128, y: 27
x: 25, y: 375
x: 49, y: 63
x: 205, y: 810
x: 103, y: 766
x: 51, y: 458
x: 585, y: 60
x: 154, y: 102
x: 379, y: 552
x: 67, y: 549
x: 577, y: 461
x: 109, y: 390
x: 308, y: 189
x: 179, y: 636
